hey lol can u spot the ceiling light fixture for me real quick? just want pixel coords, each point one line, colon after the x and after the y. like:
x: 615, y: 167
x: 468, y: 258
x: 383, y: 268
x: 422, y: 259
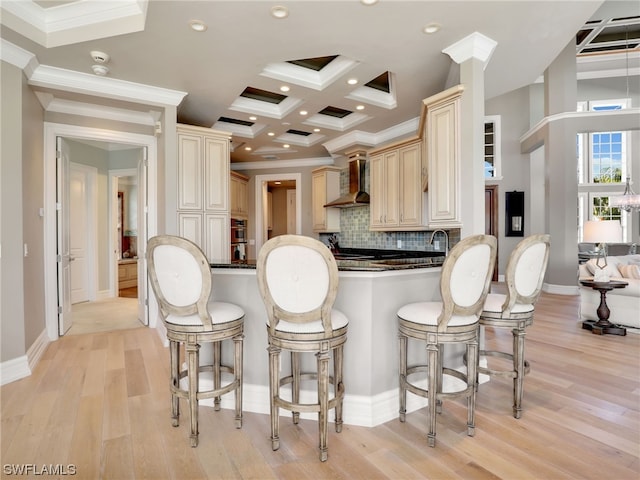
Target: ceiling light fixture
x: 360, y: 107
x: 431, y: 28
x: 303, y: 112
x: 286, y: 145
x: 198, y: 26
x: 253, y: 118
x: 284, y: 88
x: 316, y: 130
x: 271, y: 134
x: 628, y: 201
x: 352, y: 81
x: 368, y: 2
x: 248, y: 149
x: 279, y: 11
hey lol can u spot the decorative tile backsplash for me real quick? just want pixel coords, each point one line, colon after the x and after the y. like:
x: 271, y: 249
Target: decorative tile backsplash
x: 355, y: 233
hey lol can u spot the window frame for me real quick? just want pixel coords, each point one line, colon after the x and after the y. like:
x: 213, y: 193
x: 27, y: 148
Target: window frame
x: 497, y: 147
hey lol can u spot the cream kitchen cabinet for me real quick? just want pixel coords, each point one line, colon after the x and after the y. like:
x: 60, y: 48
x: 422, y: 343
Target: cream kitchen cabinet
x: 397, y: 197
x: 239, y: 196
x: 325, y: 187
x: 441, y: 134
x: 203, y: 189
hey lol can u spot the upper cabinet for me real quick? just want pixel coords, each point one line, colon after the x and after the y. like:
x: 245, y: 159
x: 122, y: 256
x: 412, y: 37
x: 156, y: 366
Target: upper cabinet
x: 239, y: 196
x: 440, y: 127
x: 325, y: 187
x: 203, y: 189
x: 397, y: 197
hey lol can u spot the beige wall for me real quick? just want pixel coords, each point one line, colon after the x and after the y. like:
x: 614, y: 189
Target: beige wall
x: 11, y: 265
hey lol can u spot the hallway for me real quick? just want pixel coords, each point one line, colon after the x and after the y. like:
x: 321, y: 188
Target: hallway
x: 117, y: 313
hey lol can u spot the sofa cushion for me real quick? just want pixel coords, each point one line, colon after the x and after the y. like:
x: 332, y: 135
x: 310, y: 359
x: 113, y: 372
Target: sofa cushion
x: 629, y: 271
x: 611, y: 269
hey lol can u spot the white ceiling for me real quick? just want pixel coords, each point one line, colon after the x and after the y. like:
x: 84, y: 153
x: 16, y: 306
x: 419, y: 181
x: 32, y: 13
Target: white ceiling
x: 244, y: 46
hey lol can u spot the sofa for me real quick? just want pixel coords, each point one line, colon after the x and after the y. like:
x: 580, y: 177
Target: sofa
x: 624, y: 303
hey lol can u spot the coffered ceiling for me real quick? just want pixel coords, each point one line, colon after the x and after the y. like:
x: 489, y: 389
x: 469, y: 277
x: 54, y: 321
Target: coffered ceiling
x: 313, y: 82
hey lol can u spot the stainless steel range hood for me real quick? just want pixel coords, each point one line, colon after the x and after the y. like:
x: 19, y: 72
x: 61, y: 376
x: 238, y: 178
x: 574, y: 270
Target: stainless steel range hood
x: 356, y: 197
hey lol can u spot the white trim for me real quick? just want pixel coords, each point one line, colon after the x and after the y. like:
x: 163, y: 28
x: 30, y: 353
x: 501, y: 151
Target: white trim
x: 23, y: 366
x: 271, y: 164
x: 560, y: 289
x: 51, y: 131
x: 78, y: 82
x: 475, y: 45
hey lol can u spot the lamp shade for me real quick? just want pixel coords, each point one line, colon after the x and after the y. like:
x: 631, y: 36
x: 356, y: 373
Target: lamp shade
x: 602, y: 231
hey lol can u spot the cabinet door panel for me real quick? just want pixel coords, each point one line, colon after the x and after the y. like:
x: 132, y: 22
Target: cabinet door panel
x: 216, y: 174
x: 410, y: 186
x: 377, y: 191
x: 189, y: 172
x: 218, y: 244
x: 190, y: 227
x: 392, y: 179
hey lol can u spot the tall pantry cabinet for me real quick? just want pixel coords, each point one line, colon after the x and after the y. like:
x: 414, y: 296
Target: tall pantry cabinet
x: 203, y: 190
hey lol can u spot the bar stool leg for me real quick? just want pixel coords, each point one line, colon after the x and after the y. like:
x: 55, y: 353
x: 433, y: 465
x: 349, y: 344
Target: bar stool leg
x: 274, y: 393
x: 519, y: 369
x: 193, y: 356
x: 472, y: 355
x: 237, y: 372
x: 295, y: 386
x: 217, y: 361
x: 432, y: 393
x: 174, y: 353
x: 403, y: 376
x: 337, y: 384
x: 323, y: 400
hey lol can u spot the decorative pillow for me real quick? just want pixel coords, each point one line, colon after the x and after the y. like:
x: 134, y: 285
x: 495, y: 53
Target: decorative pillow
x: 611, y: 269
x: 629, y: 271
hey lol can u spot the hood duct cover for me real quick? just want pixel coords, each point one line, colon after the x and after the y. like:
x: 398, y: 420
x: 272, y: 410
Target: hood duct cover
x: 357, y: 196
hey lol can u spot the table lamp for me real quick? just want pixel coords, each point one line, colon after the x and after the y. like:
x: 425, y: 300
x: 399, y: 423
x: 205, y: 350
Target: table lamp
x: 602, y: 232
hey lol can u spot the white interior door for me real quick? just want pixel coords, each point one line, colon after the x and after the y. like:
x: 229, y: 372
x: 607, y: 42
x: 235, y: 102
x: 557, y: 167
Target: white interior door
x: 78, y: 207
x: 64, y: 258
x: 143, y: 312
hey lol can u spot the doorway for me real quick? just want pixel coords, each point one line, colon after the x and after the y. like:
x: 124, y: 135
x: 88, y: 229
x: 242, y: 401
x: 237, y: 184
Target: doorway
x: 147, y: 311
x: 491, y: 219
x: 262, y: 202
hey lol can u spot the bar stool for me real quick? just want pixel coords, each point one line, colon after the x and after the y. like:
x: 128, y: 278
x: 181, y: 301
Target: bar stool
x: 464, y: 283
x: 298, y: 281
x: 180, y: 277
x: 523, y: 277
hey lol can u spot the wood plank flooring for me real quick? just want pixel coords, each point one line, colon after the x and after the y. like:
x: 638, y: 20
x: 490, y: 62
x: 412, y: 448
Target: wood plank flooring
x: 100, y: 402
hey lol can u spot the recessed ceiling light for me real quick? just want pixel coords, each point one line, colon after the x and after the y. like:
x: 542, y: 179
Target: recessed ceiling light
x: 278, y: 182
x: 253, y: 118
x: 431, y: 28
x: 284, y: 88
x: 303, y: 112
x: 248, y: 149
x: 286, y: 145
x: 197, y: 26
x: 279, y: 11
x: 368, y: 2
x: 352, y: 81
x: 271, y: 134
x: 316, y: 130
x: 360, y: 107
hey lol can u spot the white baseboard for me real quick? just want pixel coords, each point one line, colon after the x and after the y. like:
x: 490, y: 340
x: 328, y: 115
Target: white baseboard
x: 560, y: 289
x: 21, y: 367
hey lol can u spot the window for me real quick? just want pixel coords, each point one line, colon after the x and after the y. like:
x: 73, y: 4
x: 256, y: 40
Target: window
x: 602, y: 162
x: 492, y: 147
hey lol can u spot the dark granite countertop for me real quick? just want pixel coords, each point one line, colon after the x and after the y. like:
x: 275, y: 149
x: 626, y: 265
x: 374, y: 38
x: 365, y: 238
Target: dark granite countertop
x: 368, y: 260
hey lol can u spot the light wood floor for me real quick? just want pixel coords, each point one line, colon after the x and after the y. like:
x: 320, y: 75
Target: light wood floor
x: 115, y: 313
x: 101, y: 403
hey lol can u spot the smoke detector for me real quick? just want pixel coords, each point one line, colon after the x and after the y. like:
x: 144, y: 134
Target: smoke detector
x: 99, y: 57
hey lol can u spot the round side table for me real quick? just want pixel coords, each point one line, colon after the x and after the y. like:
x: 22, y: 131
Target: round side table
x: 603, y: 325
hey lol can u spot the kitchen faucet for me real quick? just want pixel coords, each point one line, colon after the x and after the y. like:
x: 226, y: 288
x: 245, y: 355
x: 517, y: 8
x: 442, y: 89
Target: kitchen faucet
x: 446, y: 240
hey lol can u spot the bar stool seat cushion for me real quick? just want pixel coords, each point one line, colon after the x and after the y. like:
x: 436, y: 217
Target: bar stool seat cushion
x: 495, y: 301
x: 221, y: 312
x: 338, y: 320
x: 427, y: 313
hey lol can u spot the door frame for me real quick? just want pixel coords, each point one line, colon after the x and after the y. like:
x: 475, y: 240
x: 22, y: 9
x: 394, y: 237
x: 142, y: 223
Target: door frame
x: 51, y: 132
x: 261, y: 182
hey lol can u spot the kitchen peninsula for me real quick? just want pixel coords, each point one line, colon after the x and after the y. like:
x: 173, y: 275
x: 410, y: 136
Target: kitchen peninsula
x: 370, y: 292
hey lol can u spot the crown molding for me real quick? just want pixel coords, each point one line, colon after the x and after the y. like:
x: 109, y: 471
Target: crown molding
x: 358, y: 137
x: 18, y: 57
x: 475, y: 45
x: 70, y: 81
x: 58, y: 105
x: 273, y: 164
x: 74, y: 22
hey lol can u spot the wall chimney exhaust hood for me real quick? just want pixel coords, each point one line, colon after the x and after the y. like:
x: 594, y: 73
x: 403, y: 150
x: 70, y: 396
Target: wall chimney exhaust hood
x: 356, y: 197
